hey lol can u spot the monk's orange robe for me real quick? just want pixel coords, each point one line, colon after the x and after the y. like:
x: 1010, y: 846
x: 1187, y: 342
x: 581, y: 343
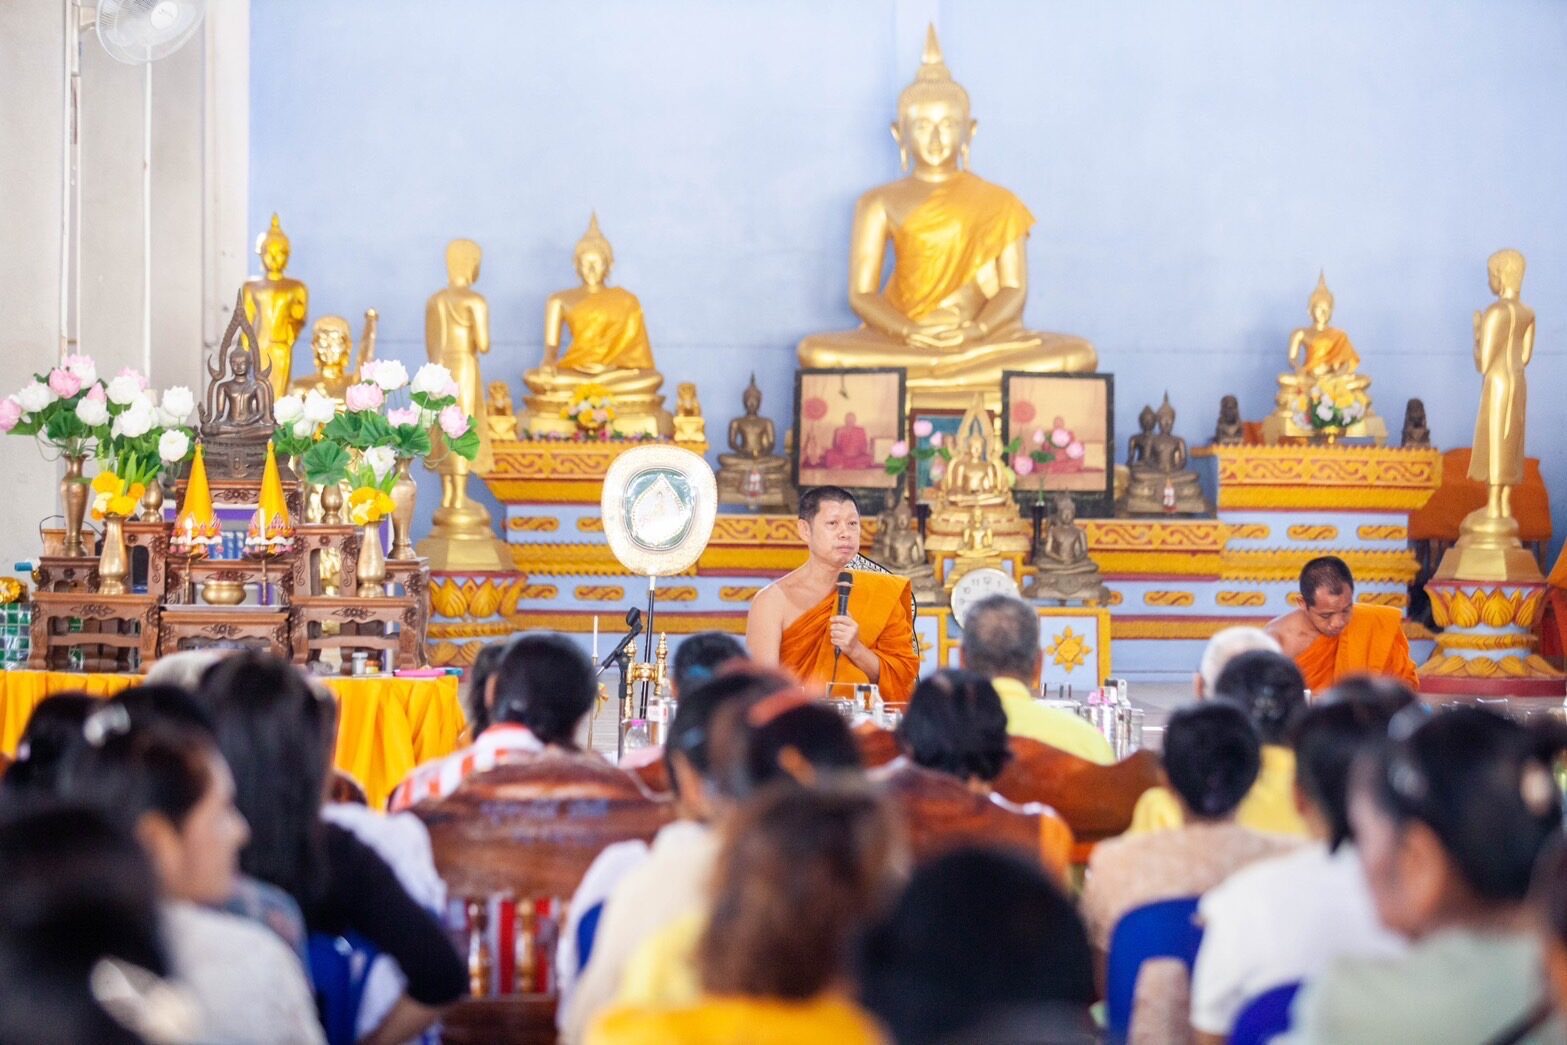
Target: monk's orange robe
x: 1373, y: 643
x: 883, y: 606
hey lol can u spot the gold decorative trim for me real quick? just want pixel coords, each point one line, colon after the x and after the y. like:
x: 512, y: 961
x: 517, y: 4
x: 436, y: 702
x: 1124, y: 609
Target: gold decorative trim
x: 453, y: 598
x: 1168, y: 598
x: 1283, y: 564
x: 1237, y: 599
x: 1529, y: 666
x: 1383, y: 533
x: 451, y: 655
x: 581, y: 623
x: 682, y: 593
x: 1250, y: 532
x: 1154, y: 535
x: 1330, y: 478
x: 472, y: 630
x: 738, y: 594
x: 533, y: 523
x: 1068, y: 649
x: 1500, y: 607
x: 1160, y: 564
x: 1460, y: 640
x: 591, y: 524
x: 945, y: 641
x: 600, y: 593
x: 570, y: 560
x: 1396, y: 599
x: 1312, y: 533
x: 1116, y: 598
x: 1134, y: 628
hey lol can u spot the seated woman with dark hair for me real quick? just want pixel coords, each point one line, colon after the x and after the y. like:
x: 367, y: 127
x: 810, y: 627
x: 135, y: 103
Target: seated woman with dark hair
x: 1269, y: 688
x: 800, y: 871
x: 981, y: 947
x: 1252, y: 942
x: 53, y: 731
x: 1451, y: 821
x: 955, y: 725
x: 274, y: 730
x: 168, y: 785
x: 76, y: 894
x: 1211, y: 760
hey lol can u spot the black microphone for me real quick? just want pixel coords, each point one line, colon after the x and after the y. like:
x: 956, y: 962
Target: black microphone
x: 845, y: 583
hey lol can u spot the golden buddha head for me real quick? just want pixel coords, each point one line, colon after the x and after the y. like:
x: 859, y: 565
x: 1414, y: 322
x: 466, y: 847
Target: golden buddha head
x: 272, y: 247
x: 933, y: 122
x: 462, y: 262
x: 593, y: 255
x: 1505, y: 270
x: 974, y: 448
x: 331, y: 341
x: 1320, y: 304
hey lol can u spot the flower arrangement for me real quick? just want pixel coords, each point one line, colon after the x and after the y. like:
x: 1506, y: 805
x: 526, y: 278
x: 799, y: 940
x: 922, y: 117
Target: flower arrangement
x: 901, y: 453
x: 1330, y: 403
x: 114, y: 495
x: 592, y: 407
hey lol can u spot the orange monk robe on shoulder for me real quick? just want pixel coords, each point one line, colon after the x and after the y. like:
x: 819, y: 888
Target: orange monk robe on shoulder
x: 882, y: 605
x: 1373, y: 643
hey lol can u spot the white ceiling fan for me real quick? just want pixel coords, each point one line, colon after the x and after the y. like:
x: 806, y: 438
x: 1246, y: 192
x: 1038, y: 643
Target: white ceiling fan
x: 136, y: 32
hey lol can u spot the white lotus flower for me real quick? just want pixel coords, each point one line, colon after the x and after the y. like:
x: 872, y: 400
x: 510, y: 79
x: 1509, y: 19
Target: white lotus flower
x: 433, y: 379
x: 320, y: 408
x: 92, y: 412
x: 178, y: 404
x: 125, y: 389
x: 381, y: 459
x: 137, y: 420
x: 35, y: 397
x: 388, y: 373
x: 288, y: 409
x: 173, y: 445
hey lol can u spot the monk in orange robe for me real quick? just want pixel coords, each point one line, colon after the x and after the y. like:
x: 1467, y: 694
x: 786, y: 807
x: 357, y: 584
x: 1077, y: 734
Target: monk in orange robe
x: 1331, y: 638
x: 794, y: 622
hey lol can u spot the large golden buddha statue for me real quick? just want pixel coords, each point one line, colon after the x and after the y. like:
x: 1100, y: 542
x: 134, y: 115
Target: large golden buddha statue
x: 977, y: 488
x: 608, y: 347
x: 1317, y: 352
x: 952, y: 311
x: 276, y: 306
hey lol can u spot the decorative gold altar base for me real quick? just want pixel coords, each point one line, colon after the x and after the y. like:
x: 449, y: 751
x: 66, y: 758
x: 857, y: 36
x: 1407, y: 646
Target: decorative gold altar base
x: 636, y: 415
x: 1325, y: 478
x: 1488, y: 645
x: 1281, y: 427
x: 556, y: 471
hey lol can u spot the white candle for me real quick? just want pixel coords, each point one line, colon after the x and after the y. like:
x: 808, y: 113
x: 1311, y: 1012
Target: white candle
x: 595, y: 638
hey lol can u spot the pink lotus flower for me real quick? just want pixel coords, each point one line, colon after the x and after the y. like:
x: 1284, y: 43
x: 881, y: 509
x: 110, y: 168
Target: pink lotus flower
x: 923, y: 428
x: 141, y: 379
x: 64, y: 383
x: 1074, y: 450
x: 1060, y: 437
x: 1038, y: 437
x: 935, y: 440
x: 408, y: 415
x: 97, y: 393
x: 82, y: 366
x: 938, y: 468
x: 454, y: 422
x: 10, y: 413
x: 899, y: 449
x: 1022, y: 464
x: 364, y: 396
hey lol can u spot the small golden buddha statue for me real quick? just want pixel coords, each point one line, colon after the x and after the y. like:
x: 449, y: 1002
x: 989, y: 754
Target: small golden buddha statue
x: 332, y: 349
x: 276, y: 306
x: 952, y: 311
x: 1157, y: 459
x: 501, y: 413
x: 1063, y: 572
x: 608, y: 347
x: 690, y: 427
x: 976, y: 480
x: 1315, y: 352
x: 752, y: 474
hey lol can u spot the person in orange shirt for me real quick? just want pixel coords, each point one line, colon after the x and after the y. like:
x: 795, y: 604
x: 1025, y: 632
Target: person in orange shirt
x: 1331, y: 638
x: 794, y: 622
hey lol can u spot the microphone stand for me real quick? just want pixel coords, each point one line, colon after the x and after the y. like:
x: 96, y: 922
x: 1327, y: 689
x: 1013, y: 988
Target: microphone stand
x: 621, y: 657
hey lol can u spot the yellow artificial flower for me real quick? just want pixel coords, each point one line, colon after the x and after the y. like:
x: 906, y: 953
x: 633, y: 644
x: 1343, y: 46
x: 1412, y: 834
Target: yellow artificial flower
x: 122, y: 504
x: 368, y: 505
x: 106, y: 482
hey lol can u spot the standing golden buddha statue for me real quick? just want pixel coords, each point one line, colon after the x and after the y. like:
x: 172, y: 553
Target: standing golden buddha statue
x: 952, y: 311
x: 608, y: 348
x: 1488, y: 547
x: 276, y: 306
x: 456, y: 333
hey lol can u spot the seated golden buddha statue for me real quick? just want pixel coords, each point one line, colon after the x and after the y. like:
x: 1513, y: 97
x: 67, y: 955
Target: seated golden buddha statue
x: 1157, y: 459
x: 332, y: 347
x: 500, y: 414
x: 752, y: 474
x: 276, y: 306
x: 1063, y: 572
x: 608, y: 347
x: 976, y: 488
x: 1315, y: 352
x: 952, y: 311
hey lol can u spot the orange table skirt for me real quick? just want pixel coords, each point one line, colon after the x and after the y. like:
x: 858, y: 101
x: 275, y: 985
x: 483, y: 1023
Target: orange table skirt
x: 386, y: 726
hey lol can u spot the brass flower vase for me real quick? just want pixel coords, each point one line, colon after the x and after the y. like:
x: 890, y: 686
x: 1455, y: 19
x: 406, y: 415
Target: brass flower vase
x: 152, y: 502
x: 371, y: 569
x: 332, y: 504
x: 74, y: 492
x: 403, y: 492
x: 114, y: 561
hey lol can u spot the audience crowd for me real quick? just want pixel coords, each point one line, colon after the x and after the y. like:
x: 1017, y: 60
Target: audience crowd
x: 178, y: 863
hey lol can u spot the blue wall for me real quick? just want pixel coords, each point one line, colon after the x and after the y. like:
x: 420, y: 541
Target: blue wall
x: 1191, y: 163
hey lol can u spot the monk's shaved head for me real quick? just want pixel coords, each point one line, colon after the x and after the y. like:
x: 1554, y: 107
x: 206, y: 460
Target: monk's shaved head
x: 811, y: 501
x: 1326, y: 574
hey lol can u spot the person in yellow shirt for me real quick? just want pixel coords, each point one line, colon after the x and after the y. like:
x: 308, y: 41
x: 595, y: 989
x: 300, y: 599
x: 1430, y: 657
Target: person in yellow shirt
x: 1001, y: 642
x: 801, y: 871
x: 1269, y: 688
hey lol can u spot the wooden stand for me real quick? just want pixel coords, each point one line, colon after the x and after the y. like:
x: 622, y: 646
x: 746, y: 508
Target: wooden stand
x: 66, y: 573
x: 412, y: 576
x: 113, y: 628
x: 371, y: 625
x: 199, y: 627
x: 310, y: 540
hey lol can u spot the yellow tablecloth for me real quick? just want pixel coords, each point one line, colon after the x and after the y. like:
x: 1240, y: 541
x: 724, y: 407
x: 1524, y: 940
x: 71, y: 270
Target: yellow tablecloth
x: 386, y: 726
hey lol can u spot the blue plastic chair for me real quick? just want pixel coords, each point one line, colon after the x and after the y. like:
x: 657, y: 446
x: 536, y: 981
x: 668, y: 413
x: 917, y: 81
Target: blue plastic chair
x: 1265, y: 1017
x: 587, y: 932
x: 1167, y: 929
x: 339, y: 970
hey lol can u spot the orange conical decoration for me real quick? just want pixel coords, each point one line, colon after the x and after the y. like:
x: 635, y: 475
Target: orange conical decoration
x: 197, y: 524
x: 270, y: 528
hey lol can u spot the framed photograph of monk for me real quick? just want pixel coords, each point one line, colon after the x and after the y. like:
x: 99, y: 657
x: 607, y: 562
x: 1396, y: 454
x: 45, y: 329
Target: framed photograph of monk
x: 847, y: 423
x: 1064, y: 425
